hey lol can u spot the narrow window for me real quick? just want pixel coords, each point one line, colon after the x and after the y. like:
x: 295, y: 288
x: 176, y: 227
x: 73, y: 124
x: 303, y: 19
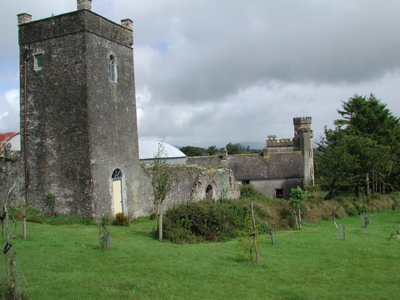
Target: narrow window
x: 112, y: 74
x: 209, y: 192
x: 38, y: 61
x: 278, y: 193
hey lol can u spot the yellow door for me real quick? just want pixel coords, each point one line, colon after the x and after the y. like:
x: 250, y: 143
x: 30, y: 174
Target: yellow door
x: 117, y: 196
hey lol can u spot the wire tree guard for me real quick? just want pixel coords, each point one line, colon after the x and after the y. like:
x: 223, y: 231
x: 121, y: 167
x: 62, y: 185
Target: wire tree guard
x: 365, y: 222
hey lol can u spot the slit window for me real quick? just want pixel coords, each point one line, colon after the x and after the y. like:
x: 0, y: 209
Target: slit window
x: 38, y: 61
x: 112, y: 70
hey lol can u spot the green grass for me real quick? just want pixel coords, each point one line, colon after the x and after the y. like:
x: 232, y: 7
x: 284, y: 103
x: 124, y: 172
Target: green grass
x: 64, y: 262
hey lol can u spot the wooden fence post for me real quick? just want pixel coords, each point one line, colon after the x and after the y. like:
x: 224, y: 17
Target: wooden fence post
x: 255, y: 230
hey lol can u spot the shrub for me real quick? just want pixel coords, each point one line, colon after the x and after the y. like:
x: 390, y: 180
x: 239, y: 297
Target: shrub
x: 153, y: 216
x: 206, y: 221
x: 121, y: 220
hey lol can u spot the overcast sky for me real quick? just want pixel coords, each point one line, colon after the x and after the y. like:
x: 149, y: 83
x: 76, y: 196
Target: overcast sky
x: 210, y: 72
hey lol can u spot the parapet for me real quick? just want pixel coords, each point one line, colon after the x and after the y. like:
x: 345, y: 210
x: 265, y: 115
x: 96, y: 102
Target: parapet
x: 279, y: 143
x: 302, y: 121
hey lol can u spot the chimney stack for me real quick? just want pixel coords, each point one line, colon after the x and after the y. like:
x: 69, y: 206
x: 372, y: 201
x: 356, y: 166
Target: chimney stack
x: 128, y: 23
x: 24, y: 18
x: 84, y: 4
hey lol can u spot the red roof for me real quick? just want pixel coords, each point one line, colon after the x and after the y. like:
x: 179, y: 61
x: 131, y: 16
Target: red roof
x: 4, y: 137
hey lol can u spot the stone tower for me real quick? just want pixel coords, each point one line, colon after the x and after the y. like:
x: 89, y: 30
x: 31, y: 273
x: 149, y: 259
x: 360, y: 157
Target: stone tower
x: 78, y: 112
x: 304, y: 134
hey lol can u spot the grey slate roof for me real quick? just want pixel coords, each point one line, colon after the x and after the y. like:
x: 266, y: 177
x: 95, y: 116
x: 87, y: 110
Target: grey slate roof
x: 255, y: 166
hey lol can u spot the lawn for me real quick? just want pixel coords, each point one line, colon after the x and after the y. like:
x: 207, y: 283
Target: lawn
x: 64, y: 262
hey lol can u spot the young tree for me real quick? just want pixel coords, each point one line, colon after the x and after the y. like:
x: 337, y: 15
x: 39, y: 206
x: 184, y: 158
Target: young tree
x: 297, y: 196
x: 161, y: 181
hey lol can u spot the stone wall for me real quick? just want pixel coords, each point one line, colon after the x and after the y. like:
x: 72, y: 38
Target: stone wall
x: 190, y: 185
x: 267, y: 187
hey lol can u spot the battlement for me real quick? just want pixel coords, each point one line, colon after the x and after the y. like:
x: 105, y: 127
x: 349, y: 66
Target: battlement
x: 273, y: 142
x: 302, y: 120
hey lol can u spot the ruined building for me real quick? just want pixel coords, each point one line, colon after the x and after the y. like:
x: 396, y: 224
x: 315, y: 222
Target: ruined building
x: 283, y: 165
x: 79, y: 137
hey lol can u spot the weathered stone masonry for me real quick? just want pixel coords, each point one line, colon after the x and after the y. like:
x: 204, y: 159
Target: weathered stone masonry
x: 81, y: 137
x: 80, y: 125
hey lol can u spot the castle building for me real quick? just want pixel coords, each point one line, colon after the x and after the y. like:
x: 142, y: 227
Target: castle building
x: 79, y: 136
x: 283, y: 165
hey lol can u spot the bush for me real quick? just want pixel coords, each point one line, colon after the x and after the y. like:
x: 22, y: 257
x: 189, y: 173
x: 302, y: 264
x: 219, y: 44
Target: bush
x: 248, y: 191
x: 121, y: 220
x: 153, y: 216
x: 206, y: 221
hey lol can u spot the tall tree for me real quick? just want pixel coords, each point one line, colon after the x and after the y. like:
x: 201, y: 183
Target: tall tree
x: 363, y: 148
x: 234, y: 148
x: 212, y: 150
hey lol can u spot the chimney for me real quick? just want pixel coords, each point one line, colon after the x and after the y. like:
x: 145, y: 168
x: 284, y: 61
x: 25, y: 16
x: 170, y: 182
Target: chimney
x: 84, y: 4
x: 128, y: 23
x: 224, y: 154
x: 24, y: 18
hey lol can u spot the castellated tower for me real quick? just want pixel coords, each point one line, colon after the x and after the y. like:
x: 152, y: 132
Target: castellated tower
x: 304, y: 135
x: 78, y: 112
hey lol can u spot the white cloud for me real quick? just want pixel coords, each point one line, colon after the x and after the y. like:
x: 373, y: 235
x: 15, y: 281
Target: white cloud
x: 212, y: 72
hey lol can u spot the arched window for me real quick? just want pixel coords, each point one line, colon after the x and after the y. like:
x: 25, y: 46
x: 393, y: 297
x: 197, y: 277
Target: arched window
x: 116, y: 175
x: 112, y: 70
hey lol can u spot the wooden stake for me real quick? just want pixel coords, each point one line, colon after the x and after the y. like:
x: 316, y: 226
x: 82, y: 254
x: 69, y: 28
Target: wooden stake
x: 344, y: 232
x: 255, y: 230
x: 160, y: 227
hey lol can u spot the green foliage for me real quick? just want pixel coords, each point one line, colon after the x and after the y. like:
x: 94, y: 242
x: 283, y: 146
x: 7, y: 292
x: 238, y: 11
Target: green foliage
x: 121, y: 219
x: 249, y: 192
x: 192, y: 151
x: 35, y: 216
x: 162, y: 176
x: 246, y: 250
x: 153, y: 216
x: 51, y: 202
x: 212, y: 150
x: 235, y: 148
x: 363, y: 149
x: 105, y: 234
x: 206, y: 221
x: 297, y: 196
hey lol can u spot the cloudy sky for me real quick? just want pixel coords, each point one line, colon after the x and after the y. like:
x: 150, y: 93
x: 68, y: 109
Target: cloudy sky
x: 210, y: 72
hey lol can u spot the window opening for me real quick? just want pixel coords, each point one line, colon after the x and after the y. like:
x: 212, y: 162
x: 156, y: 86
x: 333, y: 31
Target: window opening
x: 116, y: 175
x: 245, y: 182
x: 38, y: 61
x: 278, y: 193
x: 112, y: 76
x: 209, y: 192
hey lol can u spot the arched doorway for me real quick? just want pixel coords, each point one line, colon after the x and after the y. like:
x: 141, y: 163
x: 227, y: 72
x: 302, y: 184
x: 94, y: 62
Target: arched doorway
x: 209, y: 192
x: 116, y: 178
